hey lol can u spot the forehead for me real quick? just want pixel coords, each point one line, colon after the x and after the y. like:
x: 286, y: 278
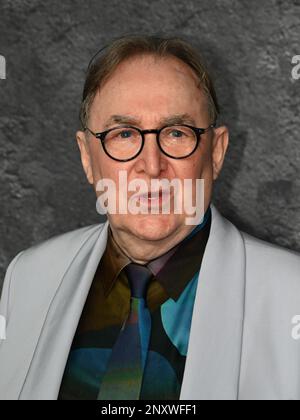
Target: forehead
x: 152, y: 85
x: 147, y: 64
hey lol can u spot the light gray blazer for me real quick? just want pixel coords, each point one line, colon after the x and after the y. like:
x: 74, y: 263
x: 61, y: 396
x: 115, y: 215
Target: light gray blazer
x: 241, y: 344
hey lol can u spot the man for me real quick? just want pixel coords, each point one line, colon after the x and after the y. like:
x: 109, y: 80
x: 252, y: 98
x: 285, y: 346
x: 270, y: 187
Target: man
x: 147, y: 306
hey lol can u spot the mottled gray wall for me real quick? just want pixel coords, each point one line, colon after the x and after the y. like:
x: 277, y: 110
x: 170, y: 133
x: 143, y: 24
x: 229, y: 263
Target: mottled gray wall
x: 47, y: 45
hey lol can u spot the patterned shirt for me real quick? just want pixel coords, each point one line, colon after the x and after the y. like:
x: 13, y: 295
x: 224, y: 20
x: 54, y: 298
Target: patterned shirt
x: 170, y: 298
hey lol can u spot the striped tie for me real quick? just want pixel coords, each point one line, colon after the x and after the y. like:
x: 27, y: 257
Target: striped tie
x: 124, y: 374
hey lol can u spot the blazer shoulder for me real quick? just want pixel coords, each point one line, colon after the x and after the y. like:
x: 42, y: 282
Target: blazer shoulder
x: 52, y: 253
x: 42, y: 262
x: 264, y: 249
x: 272, y: 261
x: 64, y: 242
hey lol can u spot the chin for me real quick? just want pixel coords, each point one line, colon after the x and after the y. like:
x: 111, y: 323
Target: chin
x: 153, y: 227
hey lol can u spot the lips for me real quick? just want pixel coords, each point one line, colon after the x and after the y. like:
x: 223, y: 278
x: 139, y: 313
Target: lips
x: 154, y: 198
x: 153, y: 195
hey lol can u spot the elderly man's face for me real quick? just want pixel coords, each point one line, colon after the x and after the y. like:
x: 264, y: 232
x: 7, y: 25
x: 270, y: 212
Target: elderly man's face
x: 148, y: 91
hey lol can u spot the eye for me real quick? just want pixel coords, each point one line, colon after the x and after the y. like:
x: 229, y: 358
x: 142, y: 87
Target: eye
x: 176, y: 133
x: 122, y: 134
x: 125, y: 134
x: 173, y: 133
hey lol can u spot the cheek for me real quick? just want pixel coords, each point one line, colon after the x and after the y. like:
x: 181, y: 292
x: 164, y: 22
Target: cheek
x: 102, y: 165
x: 203, y: 165
x: 196, y: 168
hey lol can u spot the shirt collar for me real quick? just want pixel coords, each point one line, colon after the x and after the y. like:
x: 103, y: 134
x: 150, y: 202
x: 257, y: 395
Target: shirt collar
x: 173, y: 270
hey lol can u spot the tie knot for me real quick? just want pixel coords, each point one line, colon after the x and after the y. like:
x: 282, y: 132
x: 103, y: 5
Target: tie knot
x: 138, y: 278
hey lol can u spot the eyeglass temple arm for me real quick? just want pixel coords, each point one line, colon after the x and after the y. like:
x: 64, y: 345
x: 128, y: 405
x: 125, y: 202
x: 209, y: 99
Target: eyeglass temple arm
x: 213, y: 125
x: 90, y: 131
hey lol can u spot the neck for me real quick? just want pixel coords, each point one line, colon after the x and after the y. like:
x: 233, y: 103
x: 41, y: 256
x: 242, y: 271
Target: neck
x: 141, y: 250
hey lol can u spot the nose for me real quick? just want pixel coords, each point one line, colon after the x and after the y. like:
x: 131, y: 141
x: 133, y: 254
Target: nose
x: 151, y: 159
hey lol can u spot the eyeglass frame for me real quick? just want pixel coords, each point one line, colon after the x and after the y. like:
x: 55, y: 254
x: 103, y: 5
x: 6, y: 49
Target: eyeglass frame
x: 197, y: 130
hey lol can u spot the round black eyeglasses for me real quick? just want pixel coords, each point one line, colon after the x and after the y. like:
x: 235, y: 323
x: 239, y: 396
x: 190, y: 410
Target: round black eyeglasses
x: 124, y: 143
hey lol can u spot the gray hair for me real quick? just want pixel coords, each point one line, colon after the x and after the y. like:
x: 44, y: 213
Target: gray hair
x: 120, y: 49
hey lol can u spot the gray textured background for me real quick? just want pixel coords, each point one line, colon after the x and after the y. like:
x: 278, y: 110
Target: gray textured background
x: 47, y: 45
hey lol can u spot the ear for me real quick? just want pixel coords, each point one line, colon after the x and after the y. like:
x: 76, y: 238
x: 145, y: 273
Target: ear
x: 85, y: 155
x: 219, y: 147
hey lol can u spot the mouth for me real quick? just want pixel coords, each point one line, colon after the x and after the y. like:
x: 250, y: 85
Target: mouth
x: 153, y: 198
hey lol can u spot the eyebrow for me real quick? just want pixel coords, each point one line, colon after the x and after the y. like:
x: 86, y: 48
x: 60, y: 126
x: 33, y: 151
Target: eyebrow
x: 170, y: 120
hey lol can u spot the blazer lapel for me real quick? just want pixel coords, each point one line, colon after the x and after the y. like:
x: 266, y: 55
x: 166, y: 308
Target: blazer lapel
x: 214, y: 353
x: 50, y: 355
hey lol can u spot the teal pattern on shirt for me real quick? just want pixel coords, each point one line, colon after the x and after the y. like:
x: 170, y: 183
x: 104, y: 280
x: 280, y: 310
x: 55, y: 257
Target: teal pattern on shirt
x: 162, y: 377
